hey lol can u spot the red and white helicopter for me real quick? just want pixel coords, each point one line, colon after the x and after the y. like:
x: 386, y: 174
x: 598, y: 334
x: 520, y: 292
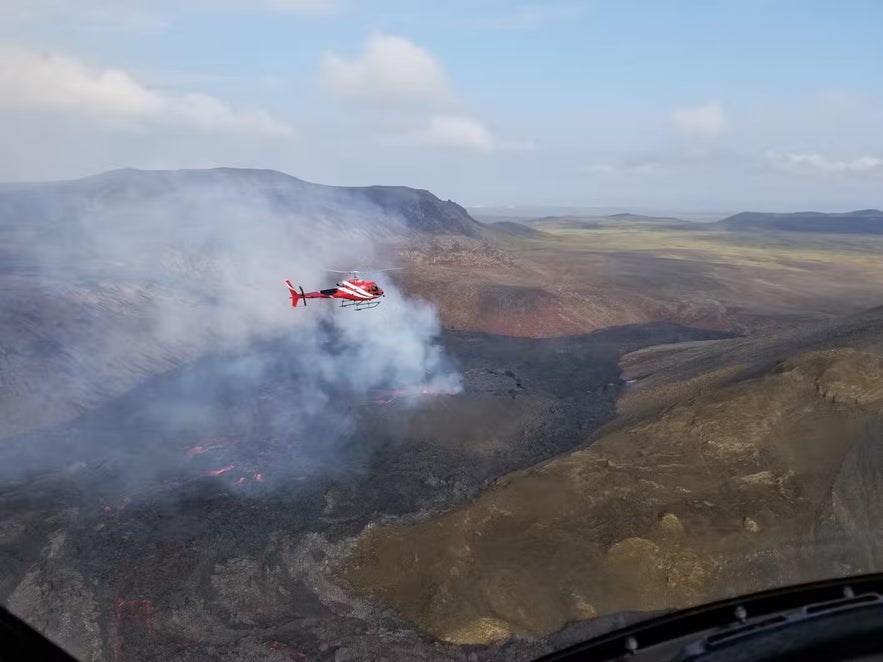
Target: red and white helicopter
x: 354, y: 291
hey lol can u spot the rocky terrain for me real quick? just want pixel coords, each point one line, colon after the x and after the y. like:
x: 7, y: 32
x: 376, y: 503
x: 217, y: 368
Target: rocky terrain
x: 192, y: 470
x: 221, y: 539
x: 736, y: 465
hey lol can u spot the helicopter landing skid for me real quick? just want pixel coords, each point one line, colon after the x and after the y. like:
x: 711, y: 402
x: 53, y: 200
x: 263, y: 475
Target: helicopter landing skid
x: 360, y: 305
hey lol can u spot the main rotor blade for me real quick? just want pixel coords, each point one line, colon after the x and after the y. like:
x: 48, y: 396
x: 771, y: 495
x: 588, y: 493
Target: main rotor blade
x: 365, y: 269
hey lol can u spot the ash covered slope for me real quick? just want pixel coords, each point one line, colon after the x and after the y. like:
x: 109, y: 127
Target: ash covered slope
x: 111, y: 279
x: 761, y: 468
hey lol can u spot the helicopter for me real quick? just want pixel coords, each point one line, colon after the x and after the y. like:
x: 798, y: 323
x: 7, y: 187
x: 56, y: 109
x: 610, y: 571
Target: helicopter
x: 354, y: 291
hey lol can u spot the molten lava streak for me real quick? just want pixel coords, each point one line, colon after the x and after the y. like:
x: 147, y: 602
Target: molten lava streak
x: 199, y: 449
x: 125, y: 502
x: 218, y: 472
x: 256, y: 476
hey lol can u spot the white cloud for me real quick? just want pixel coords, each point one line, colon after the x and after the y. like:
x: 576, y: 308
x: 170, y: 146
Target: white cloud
x: 390, y: 71
x: 817, y: 162
x: 211, y: 113
x: 706, y: 121
x: 406, y: 95
x: 456, y: 131
x: 32, y: 80
x: 51, y: 81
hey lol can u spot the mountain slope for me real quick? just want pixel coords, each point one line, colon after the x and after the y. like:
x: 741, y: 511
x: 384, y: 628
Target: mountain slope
x: 760, y: 469
x: 516, y: 229
x: 111, y: 279
x: 383, y: 209
x: 866, y: 221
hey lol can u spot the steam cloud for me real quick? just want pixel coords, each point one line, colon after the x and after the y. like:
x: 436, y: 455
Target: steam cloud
x: 186, y: 280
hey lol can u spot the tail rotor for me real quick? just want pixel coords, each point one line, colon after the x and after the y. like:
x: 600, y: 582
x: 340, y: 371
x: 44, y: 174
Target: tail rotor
x: 295, y: 297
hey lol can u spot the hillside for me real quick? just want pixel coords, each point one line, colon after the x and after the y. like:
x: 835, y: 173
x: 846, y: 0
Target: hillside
x: 111, y: 279
x: 760, y: 466
x: 516, y: 229
x: 641, y: 218
x: 866, y: 221
x: 582, y: 275
x: 389, y: 210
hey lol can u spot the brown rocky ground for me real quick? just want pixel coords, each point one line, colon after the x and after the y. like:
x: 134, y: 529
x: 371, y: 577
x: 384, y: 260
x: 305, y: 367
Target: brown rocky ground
x: 759, y: 464
x: 571, y: 280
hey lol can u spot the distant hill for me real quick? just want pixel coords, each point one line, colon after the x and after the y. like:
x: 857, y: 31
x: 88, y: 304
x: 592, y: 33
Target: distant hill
x: 592, y: 222
x: 565, y: 222
x: 641, y: 218
x: 387, y: 210
x: 865, y: 221
x: 517, y: 229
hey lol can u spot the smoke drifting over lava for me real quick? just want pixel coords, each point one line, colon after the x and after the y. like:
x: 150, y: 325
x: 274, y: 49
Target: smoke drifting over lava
x: 175, y: 341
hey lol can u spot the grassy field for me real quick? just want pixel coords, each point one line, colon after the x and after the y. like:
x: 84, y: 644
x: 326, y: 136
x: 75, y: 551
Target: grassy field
x: 787, y: 251
x: 580, y: 278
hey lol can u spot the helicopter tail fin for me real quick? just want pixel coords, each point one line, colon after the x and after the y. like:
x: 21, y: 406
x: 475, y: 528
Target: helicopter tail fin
x: 295, y: 297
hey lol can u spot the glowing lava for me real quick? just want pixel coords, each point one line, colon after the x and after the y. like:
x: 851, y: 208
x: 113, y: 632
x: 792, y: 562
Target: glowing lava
x: 218, y: 472
x: 256, y: 476
x: 125, y: 502
x: 199, y: 449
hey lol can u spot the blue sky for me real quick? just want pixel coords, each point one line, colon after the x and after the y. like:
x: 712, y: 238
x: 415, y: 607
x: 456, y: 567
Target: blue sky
x: 761, y: 104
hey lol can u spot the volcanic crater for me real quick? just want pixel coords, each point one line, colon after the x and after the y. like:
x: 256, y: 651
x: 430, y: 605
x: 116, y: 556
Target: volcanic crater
x: 219, y: 537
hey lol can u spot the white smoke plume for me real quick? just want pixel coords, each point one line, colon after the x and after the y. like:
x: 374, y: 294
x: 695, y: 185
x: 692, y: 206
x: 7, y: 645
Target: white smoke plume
x: 175, y: 349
